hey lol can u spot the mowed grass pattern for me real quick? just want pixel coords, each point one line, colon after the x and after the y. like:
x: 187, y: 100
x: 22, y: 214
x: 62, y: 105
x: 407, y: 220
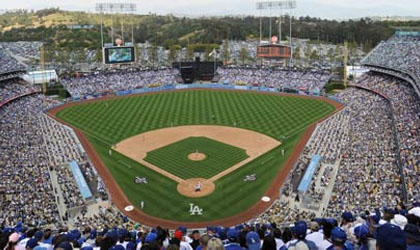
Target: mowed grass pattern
x: 118, y: 119
x: 110, y: 121
x: 174, y: 158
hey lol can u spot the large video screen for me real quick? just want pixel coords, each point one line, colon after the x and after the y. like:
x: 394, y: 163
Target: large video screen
x: 115, y: 55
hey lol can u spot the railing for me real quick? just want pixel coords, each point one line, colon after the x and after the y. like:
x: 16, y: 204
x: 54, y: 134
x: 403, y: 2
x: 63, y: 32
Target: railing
x: 410, y: 78
x: 17, y: 97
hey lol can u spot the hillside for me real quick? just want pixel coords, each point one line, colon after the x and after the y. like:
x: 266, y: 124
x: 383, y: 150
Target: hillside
x: 55, y: 28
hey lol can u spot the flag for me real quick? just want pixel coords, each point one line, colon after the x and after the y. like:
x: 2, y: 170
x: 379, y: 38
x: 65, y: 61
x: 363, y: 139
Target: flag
x: 214, y: 52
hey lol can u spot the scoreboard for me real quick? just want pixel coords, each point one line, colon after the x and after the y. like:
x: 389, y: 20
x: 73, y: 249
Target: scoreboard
x: 273, y: 51
x: 121, y: 54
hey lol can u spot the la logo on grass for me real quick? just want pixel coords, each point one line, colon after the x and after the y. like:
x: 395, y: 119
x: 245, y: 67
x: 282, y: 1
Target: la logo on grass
x: 195, y: 210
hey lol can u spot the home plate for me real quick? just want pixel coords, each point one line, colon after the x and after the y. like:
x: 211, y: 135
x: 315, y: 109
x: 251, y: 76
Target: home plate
x: 129, y: 208
x: 266, y: 199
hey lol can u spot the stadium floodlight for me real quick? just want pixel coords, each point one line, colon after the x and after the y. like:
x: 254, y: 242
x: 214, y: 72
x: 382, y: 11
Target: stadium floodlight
x: 275, y: 5
x: 278, y: 5
x: 283, y: 5
x: 116, y: 7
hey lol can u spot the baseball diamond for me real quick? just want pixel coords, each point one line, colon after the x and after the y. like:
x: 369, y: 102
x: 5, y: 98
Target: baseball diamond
x: 279, y: 119
x: 167, y: 152
x: 174, y: 157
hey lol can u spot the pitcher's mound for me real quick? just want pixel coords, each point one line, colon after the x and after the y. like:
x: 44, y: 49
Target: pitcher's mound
x: 196, y: 187
x: 196, y: 156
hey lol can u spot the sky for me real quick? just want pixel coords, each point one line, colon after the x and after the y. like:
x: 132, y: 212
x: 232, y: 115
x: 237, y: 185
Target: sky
x: 330, y: 9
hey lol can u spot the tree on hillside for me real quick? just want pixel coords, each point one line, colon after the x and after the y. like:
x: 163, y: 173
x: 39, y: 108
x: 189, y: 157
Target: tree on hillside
x: 190, y: 53
x: 207, y: 56
x: 296, y: 53
x: 63, y: 56
x: 49, y: 55
x: 138, y: 51
x: 339, y: 53
x: 352, y: 49
x: 307, y: 54
x: 314, y: 55
x: 225, y: 52
x: 173, y: 53
x: 80, y: 56
x: 98, y: 56
x: 153, y: 54
x: 367, y: 46
x: 330, y: 53
x: 243, y: 55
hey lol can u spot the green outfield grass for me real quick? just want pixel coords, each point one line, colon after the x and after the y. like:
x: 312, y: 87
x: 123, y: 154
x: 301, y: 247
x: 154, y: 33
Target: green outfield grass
x: 108, y: 122
x: 174, y: 157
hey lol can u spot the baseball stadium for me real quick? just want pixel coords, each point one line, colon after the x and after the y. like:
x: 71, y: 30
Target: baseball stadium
x: 128, y: 131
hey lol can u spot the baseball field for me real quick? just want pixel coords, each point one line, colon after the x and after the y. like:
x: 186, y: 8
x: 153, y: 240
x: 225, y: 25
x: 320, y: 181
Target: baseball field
x: 231, y: 144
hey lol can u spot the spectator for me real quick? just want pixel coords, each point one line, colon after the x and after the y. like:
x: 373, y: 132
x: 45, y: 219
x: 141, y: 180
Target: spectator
x: 299, y: 233
x: 204, y: 239
x: 215, y: 244
x: 195, y: 239
x: 390, y: 237
x: 339, y: 240
x: 232, y: 236
x: 269, y: 243
x: 361, y: 233
x: 278, y: 238
x: 412, y: 235
x: 315, y: 236
x: 253, y: 241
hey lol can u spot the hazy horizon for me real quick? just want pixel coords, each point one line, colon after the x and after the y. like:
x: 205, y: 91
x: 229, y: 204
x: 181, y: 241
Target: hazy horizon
x: 330, y: 9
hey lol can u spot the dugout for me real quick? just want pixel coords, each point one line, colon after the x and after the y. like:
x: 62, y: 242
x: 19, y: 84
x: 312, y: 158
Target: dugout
x: 309, y: 174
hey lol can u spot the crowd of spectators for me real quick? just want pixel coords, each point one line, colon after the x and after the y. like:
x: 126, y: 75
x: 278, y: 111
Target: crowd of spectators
x: 9, y: 63
x: 311, y: 80
x: 32, y: 146
x: 400, y: 52
x: 328, y: 140
x: 368, y: 175
x: 105, y: 217
x: 395, y: 229
x: 101, y: 82
x: 406, y: 109
x: 26, y: 191
x: 360, y: 141
x: 13, y: 88
x: 284, y: 211
x: 28, y: 52
x: 63, y: 147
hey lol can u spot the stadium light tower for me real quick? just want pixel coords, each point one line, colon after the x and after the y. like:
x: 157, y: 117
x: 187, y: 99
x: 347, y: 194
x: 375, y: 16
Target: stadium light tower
x: 116, y: 8
x: 275, y: 5
x: 278, y: 5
